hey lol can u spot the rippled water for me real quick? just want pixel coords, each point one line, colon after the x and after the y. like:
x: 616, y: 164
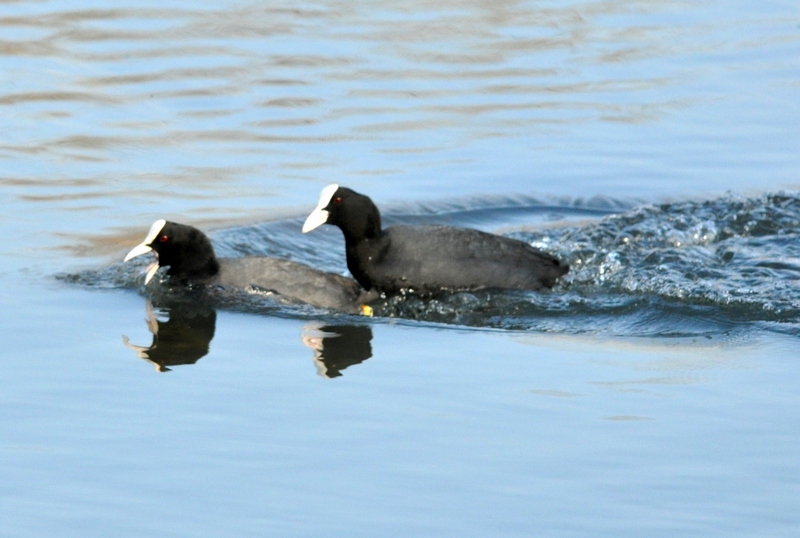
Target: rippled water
x: 215, y: 114
x: 712, y: 268
x: 653, y: 145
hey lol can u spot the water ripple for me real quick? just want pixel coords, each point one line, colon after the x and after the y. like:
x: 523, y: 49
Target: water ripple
x: 669, y: 270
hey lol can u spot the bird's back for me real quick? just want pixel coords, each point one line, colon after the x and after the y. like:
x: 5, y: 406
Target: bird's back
x: 292, y: 280
x: 434, y: 257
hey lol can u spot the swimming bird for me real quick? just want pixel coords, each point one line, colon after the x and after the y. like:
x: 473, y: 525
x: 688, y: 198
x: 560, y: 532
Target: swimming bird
x: 428, y: 258
x: 189, y: 254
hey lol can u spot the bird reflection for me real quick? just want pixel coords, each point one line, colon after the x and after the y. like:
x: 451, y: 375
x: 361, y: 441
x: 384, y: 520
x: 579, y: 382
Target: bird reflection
x: 338, y: 346
x: 183, y: 338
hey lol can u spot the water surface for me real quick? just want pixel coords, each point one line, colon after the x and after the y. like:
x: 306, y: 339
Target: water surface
x: 653, y: 145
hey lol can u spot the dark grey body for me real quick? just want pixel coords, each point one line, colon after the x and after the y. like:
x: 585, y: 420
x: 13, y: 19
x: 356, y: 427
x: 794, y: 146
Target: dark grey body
x: 430, y: 258
x: 289, y: 279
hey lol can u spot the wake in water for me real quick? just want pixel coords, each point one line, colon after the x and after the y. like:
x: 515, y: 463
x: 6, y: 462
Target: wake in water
x: 730, y: 259
x: 684, y: 269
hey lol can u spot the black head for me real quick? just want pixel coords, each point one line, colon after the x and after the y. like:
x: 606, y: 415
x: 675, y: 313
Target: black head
x: 354, y: 213
x: 184, y: 249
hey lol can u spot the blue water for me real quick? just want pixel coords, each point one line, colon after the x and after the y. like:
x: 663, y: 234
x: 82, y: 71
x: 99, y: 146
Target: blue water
x: 653, y: 146
x: 711, y: 268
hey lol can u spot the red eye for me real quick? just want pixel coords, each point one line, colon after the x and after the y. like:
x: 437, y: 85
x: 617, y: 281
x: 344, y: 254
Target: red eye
x: 163, y: 239
x: 337, y: 200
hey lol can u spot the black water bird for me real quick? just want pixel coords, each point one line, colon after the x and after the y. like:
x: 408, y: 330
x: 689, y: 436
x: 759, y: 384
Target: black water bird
x: 189, y: 255
x: 428, y: 259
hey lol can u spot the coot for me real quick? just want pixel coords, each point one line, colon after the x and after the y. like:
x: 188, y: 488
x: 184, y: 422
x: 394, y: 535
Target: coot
x: 428, y: 258
x: 189, y: 254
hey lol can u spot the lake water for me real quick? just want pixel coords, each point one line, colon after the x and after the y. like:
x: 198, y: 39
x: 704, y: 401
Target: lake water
x: 653, y: 145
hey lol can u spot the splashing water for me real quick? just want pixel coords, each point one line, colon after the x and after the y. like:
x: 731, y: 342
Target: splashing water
x: 687, y: 269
